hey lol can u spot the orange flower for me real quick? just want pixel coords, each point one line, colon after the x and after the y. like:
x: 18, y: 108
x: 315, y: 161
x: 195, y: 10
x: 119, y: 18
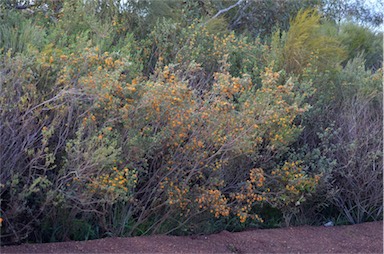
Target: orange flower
x: 63, y: 57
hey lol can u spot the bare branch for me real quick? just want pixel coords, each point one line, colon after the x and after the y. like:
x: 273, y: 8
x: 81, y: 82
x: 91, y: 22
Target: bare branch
x: 226, y: 9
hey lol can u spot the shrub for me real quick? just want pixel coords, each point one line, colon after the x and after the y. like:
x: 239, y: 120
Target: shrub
x: 192, y: 144
x: 197, y: 45
x: 361, y: 40
x: 348, y: 149
x: 33, y: 131
x: 128, y: 155
x: 44, y: 103
x: 306, y: 38
x: 357, y: 181
x: 17, y: 33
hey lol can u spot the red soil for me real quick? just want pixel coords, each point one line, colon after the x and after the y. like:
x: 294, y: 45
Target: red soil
x: 361, y: 238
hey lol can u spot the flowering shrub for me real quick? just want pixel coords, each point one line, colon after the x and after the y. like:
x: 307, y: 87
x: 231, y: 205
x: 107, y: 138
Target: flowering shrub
x: 189, y: 142
x: 294, y: 185
x: 156, y: 146
x: 197, y: 45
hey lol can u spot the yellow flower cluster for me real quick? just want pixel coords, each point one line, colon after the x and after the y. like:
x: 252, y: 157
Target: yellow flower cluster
x: 294, y: 184
x: 117, y: 182
x: 214, y: 201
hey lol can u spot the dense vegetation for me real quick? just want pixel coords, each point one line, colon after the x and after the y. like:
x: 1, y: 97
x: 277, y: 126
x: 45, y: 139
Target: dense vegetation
x: 140, y: 117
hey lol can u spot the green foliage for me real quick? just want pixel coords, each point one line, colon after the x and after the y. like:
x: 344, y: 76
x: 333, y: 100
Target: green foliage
x: 79, y: 22
x: 305, y: 41
x: 198, y: 53
x: 17, y: 33
x: 217, y: 26
x: 360, y: 40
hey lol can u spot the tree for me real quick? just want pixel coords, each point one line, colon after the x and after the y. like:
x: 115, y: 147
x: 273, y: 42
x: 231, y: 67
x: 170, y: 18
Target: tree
x: 360, y: 11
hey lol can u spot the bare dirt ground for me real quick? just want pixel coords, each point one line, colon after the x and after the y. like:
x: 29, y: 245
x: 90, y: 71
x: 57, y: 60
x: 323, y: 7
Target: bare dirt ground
x: 361, y: 238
